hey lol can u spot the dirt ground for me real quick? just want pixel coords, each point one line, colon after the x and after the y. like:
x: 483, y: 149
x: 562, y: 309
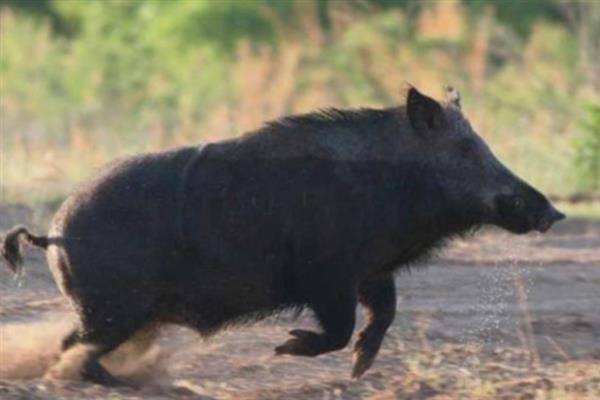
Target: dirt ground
x: 493, y: 316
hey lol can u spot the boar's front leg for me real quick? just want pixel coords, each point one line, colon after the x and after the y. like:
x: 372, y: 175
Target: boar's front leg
x: 335, y: 309
x: 378, y: 297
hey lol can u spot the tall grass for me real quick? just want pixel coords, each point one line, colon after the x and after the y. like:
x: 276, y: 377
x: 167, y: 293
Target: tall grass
x: 71, y: 104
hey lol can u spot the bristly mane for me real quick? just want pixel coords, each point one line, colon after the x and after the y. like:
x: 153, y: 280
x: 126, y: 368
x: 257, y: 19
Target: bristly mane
x: 326, y: 117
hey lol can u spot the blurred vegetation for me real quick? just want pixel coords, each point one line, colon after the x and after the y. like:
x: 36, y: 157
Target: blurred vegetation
x: 83, y: 82
x: 587, y: 151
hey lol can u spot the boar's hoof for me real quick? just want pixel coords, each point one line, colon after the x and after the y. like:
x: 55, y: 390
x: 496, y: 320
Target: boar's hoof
x: 94, y: 372
x: 305, y: 343
x: 362, y: 360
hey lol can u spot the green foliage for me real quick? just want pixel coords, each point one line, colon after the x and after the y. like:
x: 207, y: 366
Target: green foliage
x: 587, y: 151
x: 225, y: 21
x: 128, y: 64
x: 520, y: 15
x: 121, y: 76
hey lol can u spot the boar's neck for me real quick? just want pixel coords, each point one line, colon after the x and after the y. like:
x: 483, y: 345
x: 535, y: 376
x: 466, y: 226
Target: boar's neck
x: 429, y: 218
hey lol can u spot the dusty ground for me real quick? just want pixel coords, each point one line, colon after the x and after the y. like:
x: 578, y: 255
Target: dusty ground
x: 495, y: 316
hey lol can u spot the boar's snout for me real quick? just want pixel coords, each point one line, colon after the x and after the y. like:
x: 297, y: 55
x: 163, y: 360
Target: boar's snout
x: 549, y: 217
x: 525, y: 211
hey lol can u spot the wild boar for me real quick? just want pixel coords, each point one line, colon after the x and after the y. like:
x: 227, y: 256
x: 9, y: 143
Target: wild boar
x: 312, y: 211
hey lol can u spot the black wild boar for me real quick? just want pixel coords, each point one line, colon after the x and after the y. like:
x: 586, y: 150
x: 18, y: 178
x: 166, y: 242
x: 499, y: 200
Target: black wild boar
x: 312, y: 211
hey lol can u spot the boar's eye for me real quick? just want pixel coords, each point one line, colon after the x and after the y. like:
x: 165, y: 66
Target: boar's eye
x: 518, y: 203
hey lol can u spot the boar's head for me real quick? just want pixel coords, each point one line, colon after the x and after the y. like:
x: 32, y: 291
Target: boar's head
x: 467, y: 172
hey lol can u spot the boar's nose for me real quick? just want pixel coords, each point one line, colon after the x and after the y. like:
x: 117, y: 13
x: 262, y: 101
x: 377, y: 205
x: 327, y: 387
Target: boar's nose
x: 549, y: 218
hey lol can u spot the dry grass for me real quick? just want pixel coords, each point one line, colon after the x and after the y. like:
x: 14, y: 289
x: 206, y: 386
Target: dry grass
x: 444, y: 372
x: 358, y: 63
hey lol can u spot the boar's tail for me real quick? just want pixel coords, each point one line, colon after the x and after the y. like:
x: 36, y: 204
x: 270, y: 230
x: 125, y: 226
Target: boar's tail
x: 10, y: 246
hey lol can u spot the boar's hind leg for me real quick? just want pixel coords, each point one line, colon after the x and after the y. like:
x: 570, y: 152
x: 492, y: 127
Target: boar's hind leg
x: 97, y: 337
x: 71, y: 339
x: 105, y: 338
x: 336, y: 312
x: 378, y: 297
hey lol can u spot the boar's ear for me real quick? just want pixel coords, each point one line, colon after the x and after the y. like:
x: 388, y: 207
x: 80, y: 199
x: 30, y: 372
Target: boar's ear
x: 424, y: 113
